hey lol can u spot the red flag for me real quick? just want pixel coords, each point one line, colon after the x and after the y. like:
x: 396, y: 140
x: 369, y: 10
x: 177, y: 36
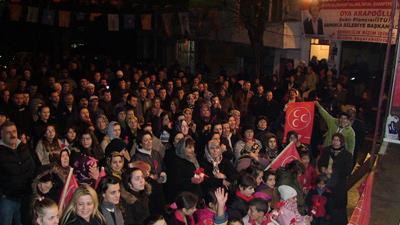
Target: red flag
x: 101, y: 175
x: 362, y: 212
x: 286, y: 156
x: 300, y: 118
x: 69, y: 188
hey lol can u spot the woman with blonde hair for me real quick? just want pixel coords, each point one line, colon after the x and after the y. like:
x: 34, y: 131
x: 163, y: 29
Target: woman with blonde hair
x: 83, y: 208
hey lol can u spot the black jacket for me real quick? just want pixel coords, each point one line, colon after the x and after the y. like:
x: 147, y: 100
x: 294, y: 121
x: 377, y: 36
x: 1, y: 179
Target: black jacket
x: 341, y: 169
x: 77, y: 220
x: 180, y: 173
x: 17, y: 170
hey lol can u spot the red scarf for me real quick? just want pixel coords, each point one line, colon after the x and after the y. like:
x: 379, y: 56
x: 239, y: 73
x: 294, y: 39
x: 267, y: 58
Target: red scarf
x: 244, y: 197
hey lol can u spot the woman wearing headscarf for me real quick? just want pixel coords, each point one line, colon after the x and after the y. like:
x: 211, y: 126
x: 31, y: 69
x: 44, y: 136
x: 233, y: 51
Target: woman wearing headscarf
x: 184, y: 172
x: 336, y: 163
x: 219, y: 170
x: 113, y: 131
x: 101, y: 126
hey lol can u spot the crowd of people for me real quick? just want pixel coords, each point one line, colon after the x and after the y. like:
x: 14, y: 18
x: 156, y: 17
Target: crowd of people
x: 158, y: 145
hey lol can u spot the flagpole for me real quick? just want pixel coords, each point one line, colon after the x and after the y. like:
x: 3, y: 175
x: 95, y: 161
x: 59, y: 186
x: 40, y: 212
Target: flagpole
x: 65, y: 189
x: 287, y: 146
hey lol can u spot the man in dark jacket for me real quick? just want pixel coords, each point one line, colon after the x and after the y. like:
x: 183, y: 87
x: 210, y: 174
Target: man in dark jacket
x: 17, y: 170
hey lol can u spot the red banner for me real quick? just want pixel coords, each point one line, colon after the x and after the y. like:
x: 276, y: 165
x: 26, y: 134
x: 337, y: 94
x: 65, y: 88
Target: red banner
x: 300, y: 118
x: 286, y: 156
x: 362, y: 212
x: 70, y: 187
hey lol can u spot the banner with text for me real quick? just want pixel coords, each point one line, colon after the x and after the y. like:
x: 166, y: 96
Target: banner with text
x: 356, y: 20
x: 392, y: 127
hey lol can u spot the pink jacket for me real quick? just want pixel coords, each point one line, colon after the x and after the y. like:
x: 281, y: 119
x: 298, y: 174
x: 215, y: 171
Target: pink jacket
x: 205, y: 217
x: 289, y: 215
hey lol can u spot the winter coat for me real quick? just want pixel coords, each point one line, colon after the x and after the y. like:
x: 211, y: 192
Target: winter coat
x: 135, y: 205
x: 17, y: 170
x: 204, y: 216
x: 238, y: 206
x: 117, y: 219
x: 317, y: 202
x: 341, y: 169
x: 289, y: 215
x: 77, y: 220
x: 180, y: 173
x: 284, y: 177
x: 225, y: 167
x: 57, y: 178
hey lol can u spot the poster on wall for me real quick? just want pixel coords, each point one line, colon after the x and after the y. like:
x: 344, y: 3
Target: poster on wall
x: 355, y: 20
x: 392, y: 126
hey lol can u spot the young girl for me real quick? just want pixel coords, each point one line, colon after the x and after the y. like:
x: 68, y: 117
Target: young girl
x: 186, y: 203
x: 206, y: 215
x: 288, y: 212
x: 307, y: 179
x: 49, y: 147
x: 317, y: 201
x: 45, y: 212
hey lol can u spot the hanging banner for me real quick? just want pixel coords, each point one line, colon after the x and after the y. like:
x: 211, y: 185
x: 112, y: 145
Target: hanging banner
x: 48, y: 17
x: 93, y: 16
x: 33, y: 14
x: 64, y: 18
x: 184, y: 23
x: 356, y: 20
x: 300, y: 118
x: 146, y: 21
x: 167, y: 22
x: 129, y: 21
x: 113, y: 22
x: 392, y: 126
x: 362, y: 212
x: 15, y: 12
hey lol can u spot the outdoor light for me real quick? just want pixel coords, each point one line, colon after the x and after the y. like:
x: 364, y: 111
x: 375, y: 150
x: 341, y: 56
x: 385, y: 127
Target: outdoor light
x: 353, y: 78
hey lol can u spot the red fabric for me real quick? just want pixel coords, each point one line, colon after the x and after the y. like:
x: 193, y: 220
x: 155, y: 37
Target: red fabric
x: 396, y: 89
x: 300, y: 118
x: 319, y: 205
x: 307, y: 180
x: 179, y: 217
x: 72, y: 186
x: 286, y: 156
x: 362, y: 212
x: 244, y: 197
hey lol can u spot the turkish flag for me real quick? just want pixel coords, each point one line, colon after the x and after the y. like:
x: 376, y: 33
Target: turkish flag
x: 362, y: 212
x: 286, y: 156
x: 300, y: 118
x: 70, y: 187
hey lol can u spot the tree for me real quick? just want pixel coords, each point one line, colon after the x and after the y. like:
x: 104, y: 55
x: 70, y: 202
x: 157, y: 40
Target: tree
x: 253, y: 14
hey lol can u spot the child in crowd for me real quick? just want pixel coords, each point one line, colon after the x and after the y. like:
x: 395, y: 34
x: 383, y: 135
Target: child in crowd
x: 239, y: 204
x: 317, y: 201
x: 307, y: 179
x: 206, y: 216
x: 45, y: 212
x: 288, y: 212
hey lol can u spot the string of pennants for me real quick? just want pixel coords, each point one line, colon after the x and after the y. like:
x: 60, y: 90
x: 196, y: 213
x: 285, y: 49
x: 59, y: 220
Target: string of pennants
x: 182, y: 23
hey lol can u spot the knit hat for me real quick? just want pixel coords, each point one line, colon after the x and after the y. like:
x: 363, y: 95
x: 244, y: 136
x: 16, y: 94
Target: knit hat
x: 286, y: 192
x: 116, y: 145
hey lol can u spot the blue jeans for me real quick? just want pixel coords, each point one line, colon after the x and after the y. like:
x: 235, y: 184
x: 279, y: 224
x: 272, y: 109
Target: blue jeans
x: 10, y: 211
